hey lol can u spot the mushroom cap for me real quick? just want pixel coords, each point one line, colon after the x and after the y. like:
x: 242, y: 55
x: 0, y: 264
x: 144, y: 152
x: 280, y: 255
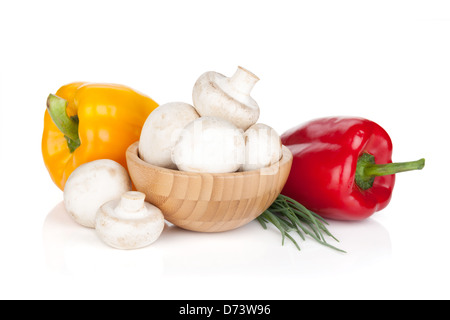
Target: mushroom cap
x: 161, y: 130
x: 216, y: 95
x: 91, y: 185
x: 129, y: 222
x: 263, y: 147
x: 209, y: 144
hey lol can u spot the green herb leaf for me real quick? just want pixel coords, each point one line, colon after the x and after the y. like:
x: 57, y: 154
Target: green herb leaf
x: 288, y: 215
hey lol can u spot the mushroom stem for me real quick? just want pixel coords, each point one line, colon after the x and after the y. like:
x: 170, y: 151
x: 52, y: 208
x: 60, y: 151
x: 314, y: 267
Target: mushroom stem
x: 243, y: 80
x: 132, y: 201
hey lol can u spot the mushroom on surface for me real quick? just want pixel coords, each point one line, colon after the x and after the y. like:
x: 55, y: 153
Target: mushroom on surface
x: 262, y: 147
x: 209, y: 144
x: 91, y: 185
x: 161, y: 131
x: 229, y: 98
x: 129, y: 222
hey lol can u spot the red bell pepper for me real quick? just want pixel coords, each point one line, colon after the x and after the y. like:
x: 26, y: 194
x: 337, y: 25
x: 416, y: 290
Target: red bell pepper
x: 342, y: 167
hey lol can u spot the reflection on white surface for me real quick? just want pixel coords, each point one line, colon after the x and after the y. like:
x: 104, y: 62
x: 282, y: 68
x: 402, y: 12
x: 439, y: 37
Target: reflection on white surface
x: 71, y: 248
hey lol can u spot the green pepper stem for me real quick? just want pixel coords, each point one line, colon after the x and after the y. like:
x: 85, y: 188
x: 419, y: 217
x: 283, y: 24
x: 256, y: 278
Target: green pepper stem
x: 367, y: 169
x: 378, y: 170
x: 57, y: 108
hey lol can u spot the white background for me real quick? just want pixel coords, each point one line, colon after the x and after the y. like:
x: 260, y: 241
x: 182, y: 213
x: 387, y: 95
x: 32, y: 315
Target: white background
x: 388, y: 61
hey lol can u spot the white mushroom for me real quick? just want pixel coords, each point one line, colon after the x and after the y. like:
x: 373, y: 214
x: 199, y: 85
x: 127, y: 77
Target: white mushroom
x: 91, y: 185
x: 209, y: 144
x: 129, y: 222
x: 161, y: 131
x: 229, y: 98
x: 262, y: 147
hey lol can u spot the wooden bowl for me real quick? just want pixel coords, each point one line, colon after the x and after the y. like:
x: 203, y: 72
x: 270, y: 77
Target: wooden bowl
x: 208, y: 202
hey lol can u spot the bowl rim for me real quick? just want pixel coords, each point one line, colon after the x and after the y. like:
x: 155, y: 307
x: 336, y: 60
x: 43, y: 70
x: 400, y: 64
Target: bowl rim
x: 286, y: 158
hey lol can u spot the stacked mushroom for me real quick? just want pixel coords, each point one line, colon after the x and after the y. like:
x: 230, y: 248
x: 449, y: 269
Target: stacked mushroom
x: 99, y: 195
x: 219, y: 133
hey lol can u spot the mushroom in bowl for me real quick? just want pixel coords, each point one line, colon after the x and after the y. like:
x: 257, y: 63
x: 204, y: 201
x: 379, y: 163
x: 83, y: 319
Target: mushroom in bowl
x: 214, y: 181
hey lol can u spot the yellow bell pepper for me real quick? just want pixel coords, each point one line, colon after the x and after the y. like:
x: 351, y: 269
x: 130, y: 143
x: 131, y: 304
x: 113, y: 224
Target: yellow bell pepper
x: 89, y: 121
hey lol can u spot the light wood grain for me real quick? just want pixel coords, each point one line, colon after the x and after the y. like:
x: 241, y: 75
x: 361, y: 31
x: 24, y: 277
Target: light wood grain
x: 208, y: 202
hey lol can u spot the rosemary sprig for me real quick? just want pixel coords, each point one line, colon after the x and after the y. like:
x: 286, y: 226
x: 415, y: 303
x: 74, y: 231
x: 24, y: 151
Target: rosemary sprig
x: 287, y: 215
